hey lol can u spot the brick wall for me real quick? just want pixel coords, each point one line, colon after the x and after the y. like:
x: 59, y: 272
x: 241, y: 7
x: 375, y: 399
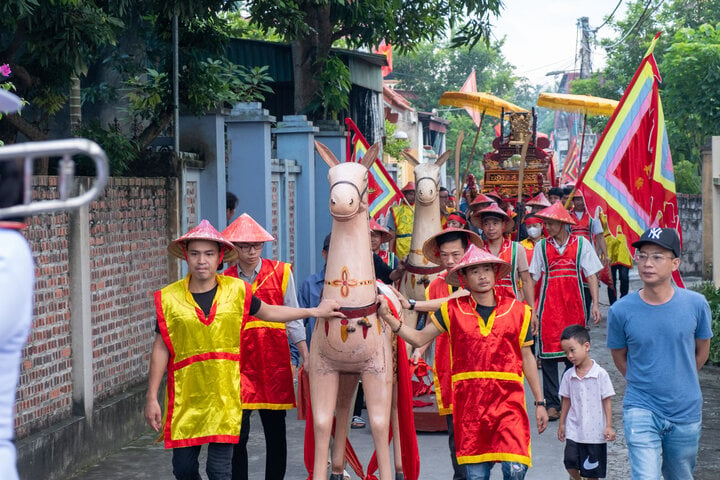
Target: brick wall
x: 690, y: 208
x: 128, y: 240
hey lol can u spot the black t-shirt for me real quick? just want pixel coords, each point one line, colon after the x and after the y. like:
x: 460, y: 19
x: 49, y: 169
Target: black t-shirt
x: 382, y: 270
x: 484, y: 311
x: 205, y: 299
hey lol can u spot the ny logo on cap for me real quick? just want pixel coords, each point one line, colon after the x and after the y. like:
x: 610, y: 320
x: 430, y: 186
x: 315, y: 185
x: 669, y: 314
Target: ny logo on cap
x: 654, y: 233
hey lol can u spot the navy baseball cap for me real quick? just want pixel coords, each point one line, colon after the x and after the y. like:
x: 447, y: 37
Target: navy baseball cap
x: 666, y: 238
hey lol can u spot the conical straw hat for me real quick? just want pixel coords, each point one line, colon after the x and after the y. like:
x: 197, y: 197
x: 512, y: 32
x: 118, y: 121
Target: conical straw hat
x: 539, y: 200
x: 495, y: 210
x: 246, y: 230
x: 385, y: 235
x: 431, y: 250
x: 481, y: 201
x: 556, y: 212
x: 477, y: 256
x: 204, y: 231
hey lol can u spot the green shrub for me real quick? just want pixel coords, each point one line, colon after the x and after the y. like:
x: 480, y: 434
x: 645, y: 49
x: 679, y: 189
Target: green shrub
x: 712, y: 295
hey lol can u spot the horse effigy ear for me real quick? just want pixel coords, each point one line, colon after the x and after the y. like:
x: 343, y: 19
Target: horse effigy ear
x: 326, y: 154
x: 410, y: 158
x: 370, y: 155
x: 442, y: 158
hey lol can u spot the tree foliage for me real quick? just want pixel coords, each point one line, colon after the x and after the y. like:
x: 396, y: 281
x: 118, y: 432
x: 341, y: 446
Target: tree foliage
x: 312, y: 27
x: 688, y: 57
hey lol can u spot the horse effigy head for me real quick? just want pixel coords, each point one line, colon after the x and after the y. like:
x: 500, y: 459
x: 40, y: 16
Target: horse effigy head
x: 427, y: 177
x: 348, y: 182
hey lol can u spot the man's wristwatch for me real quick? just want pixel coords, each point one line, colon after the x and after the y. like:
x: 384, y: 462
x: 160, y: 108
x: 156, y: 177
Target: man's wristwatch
x: 412, y: 303
x: 541, y: 403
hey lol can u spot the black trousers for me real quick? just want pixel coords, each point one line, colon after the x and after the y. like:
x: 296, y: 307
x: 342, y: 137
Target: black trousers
x: 588, y: 305
x: 551, y: 380
x: 219, y: 462
x: 458, y: 470
x: 624, y: 273
x: 273, y: 422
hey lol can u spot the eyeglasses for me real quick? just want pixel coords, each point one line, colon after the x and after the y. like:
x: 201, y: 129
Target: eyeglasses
x: 249, y: 247
x: 642, y: 257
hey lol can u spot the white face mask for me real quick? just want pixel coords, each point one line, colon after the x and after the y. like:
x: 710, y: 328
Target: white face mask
x: 534, y: 232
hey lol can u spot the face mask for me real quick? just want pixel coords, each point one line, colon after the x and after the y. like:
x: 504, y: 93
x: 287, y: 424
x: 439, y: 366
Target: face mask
x: 534, y: 232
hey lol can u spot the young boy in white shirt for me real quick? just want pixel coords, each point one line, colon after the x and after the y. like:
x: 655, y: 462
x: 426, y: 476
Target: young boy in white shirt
x: 586, y: 416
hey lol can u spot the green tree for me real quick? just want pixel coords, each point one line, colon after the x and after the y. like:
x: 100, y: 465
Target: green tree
x: 691, y: 76
x: 312, y: 27
x: 393, y: 146
x: 433, y: 69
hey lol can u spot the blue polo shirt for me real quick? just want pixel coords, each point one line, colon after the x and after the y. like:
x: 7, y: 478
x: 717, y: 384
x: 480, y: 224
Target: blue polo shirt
x: 661, y: 370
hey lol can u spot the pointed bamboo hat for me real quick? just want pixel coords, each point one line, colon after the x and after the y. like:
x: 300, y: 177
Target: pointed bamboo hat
x: 431, y: 249
x: 385, y: 235
x: 493, y: 209
x: 477, y: 256
x: 408, y: 186
x: 539, y: 200
x: 556, y: 212
x: 246, y: 230
x: 204, y: 231
x: 481, y: 201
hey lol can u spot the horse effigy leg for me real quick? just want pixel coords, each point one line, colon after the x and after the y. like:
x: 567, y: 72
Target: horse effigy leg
x: 323, y: 393
x: 395, y: 425
x: 378, y: 397
x: 347, y: 392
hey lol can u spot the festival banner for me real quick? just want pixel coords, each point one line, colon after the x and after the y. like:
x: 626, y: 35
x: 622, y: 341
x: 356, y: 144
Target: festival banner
x: 385, y: 49
x: 470, y: 85
x: 383, y: 192
x: 570, y: 169
x: 630, y: 172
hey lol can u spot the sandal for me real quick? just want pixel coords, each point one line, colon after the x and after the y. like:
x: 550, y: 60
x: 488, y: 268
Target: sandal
x: 357, y: 422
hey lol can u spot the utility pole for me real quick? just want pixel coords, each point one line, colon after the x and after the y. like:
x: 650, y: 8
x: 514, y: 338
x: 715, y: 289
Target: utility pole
x: 585, y: 52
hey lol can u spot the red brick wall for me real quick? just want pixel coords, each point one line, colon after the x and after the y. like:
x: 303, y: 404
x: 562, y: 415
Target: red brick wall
x: 128, y: 261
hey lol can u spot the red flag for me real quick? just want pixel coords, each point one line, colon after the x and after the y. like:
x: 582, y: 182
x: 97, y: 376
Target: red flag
x: 385, y: 49
x: 570, y: 169
x: 470, y: 85
x: 630, y: 172
x: 498, y: 129
x: 383, y: 192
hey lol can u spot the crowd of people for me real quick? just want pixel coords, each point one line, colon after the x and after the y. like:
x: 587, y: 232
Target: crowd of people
x: 511, y: 302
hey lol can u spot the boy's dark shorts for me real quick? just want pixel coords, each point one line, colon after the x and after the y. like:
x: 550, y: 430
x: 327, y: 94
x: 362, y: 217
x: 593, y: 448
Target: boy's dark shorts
x: 589, y: 458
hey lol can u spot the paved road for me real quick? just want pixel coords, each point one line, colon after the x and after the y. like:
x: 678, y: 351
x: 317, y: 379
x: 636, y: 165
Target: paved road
x: 141, y: 459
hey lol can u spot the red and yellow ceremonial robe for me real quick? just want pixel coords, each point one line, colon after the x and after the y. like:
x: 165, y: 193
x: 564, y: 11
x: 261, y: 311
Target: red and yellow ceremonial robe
x: 510, y: 283
x: 202, y: 403
x: 561, y: 302
x: 441, y: 374
x: 267, y: 381
x: 489, y: 415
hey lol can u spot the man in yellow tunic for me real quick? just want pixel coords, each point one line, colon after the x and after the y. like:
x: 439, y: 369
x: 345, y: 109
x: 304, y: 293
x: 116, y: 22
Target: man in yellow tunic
x: 401, y: 220
x: 197, y: 341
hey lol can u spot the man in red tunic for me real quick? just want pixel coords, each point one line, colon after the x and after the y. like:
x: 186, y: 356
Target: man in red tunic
x: 446, y: 248
x: 559, y: 263
x: 490, y: 342
x: 267, y: 379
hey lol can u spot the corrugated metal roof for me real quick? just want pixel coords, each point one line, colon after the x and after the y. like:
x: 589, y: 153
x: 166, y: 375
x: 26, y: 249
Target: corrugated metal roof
x: 256, y: 53
x: 278, y: 57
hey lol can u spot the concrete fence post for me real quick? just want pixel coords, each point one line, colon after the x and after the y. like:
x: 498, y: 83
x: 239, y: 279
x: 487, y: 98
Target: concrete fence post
x: 249, y: 169
x: 80, y: 312
x: 295, y: 135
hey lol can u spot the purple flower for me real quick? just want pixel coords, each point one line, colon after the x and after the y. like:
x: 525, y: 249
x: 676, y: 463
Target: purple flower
x: 5, y: 70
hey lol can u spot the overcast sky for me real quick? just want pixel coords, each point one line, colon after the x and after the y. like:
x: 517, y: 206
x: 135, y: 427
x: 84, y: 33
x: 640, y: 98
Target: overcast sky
x: 541, y: 35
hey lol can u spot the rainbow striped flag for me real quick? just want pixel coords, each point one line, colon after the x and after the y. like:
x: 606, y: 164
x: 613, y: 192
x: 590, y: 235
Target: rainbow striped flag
x: 383, y: 192
x: 630, y: 172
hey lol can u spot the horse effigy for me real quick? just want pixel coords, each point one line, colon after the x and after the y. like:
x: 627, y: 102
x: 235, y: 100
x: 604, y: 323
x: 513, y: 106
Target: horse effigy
x: 359, y: 345
x: 419, y: 271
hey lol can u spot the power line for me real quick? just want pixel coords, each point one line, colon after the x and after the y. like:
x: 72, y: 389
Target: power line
x: 609, y: 17
x: 636, y: 24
